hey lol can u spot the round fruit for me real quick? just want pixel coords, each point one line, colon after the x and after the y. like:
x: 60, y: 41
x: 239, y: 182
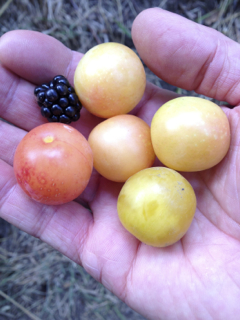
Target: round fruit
x: 157, y: 206
x: 53, y: 163
x: 58, y: 100
x: 110, y: 80
x: 190, y: 134
x: 121, y: 147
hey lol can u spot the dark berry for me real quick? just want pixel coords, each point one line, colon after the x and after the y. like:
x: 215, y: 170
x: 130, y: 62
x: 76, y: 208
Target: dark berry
x: 47, y: 103
x: 56, y: 110
x: 78, y: 106
x: 76, y: 117
x: 46, y: 112
x: 63, y: 102
x: 41, y: 96
x: 63, y: 81
x: 64, y: 119
x: 58, y: 100
x: 62, y: 89
x: 52, y: 95
x: 71, y: 90
x: 53, y: 119
x: 51, y: 84
x: 73, y: 98
x: 57, y: 78
x: 40, y: 104
x: 45, y: 86
x: 38, y: 89
x: 70, y: 111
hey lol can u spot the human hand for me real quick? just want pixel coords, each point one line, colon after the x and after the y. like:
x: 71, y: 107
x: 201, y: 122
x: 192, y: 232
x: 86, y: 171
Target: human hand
x: 196, y: 278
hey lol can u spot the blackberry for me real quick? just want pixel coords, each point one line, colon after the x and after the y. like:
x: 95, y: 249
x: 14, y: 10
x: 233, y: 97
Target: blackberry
x: 58, y: 100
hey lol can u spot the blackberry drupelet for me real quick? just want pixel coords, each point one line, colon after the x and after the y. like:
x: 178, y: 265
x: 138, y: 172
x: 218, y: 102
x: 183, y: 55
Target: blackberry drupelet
x: 58, y: 100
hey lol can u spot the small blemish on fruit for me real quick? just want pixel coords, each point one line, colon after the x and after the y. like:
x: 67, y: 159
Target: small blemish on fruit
x: 48, y: 139
x: 41, y: 178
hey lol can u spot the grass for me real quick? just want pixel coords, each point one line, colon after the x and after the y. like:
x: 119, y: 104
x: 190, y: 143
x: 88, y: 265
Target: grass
x: 37, y: 282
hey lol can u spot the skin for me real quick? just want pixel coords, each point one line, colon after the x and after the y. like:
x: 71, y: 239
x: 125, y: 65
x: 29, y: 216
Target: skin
x: 53, y: 163
x: 190, y: 134
x: 199, y: 276
x: 102, y: 66
x: 157, y: 206
x: 121, y: 146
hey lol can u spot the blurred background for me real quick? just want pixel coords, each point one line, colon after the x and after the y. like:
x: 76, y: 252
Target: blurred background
x: 37, y: 282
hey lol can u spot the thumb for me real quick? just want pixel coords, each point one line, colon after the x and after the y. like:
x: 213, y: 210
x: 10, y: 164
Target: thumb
x: 188, y: 55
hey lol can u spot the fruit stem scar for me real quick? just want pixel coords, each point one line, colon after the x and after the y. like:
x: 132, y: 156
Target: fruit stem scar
x: 48, y: 139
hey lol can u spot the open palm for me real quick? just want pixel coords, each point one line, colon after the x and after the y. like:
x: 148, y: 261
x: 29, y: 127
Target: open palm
x: 199, y: 276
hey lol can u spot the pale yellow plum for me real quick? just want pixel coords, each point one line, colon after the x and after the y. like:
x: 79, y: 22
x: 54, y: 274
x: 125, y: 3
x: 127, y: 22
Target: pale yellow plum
x: 121, y: 146
x: 110, y: 80
x: 157, y: 206
x: 190, y: 134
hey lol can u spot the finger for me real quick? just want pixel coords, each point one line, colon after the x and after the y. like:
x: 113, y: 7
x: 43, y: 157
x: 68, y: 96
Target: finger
x: 188, y: 55
x: 101, y: 245
x: 63, y: 227
x: 110, y: 250
x: 10, y: 137
x: 38, y: 57
x: 19, y: 107
x: 17, y: 102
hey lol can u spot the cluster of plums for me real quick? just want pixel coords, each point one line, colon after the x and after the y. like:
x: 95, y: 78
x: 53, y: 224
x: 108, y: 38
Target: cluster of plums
x: 53, y: 163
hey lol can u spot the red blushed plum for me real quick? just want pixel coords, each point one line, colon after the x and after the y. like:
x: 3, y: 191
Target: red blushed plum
x: 53, y: 163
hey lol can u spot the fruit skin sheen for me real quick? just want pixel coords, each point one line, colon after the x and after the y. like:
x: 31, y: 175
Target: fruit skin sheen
x: 190, y: 134
x: 53, y: 163
x: 157, y: 206
x: 121, y: 146
x: 110, y: 80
